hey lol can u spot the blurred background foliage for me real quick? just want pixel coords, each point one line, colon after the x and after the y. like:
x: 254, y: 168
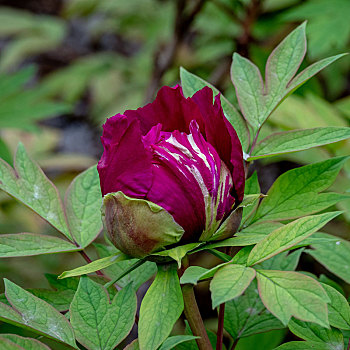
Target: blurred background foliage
x: 65, y: 66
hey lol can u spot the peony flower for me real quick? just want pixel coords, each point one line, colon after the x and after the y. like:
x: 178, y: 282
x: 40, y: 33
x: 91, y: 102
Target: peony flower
x: 171, y: 172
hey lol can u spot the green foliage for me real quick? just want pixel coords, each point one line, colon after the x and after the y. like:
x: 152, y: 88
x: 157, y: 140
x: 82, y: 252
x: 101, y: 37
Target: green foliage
x: 160, y: 308
x: 83, y: 202
x: 96, y: 265
x: 286, y: 294
x: 16, y: 342
x: 97, y: 322
x: 19, y: 107
x: 298, y: 140
x: 35, y: 314
x: 26, y: 244
x: 229, y: 282
x: 288, y: 236
x: 302, y: 186
x: 331, y: 338
x: 334, y: 255
x: 326, y: 20
x: 247, y: 315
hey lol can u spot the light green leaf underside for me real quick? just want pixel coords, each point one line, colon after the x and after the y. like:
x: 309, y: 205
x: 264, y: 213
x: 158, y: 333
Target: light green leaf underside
x: 247, y: 315
x: 296, y: 192
x: 288, y: 236
x: 22, y: 342
x: 27, y: 244
x: 333, y: 338
x: 94, y: 266
x: 171, y: 342
x: 333, y: 254
x: 83, y: 203
x: 286, y: 294
x: 338, y: 308
x: 160, y: 308
x: 302, y: 345
x: 97, y: 322
x: 191, y: 84
x: 28, y: 184
x: 34, y: 313
x: 298, y: 140
x: 230, y: 282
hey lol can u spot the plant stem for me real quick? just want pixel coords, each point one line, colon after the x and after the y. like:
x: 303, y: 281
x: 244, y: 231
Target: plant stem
x: 194, y: 318
x: 220, y: 333
x: 234, y: 344
x: 348, y: 348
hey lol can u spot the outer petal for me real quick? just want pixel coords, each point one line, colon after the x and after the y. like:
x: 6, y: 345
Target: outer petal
x: 138, y: 227
x: 221, y: 134
x: 171, y: 109
x: 125, y: 164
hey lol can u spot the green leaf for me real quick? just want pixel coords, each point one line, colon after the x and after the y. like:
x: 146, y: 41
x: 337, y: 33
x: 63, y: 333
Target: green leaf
x: 28, y: 184
x: 22, y: 343
x: 194, y: 274
x: 262, y: 341
x: 136, y: 277
x: 249, y: 85
x: 333, y: 254
x: 230, y: 282
x: 328, y: 25
x: 258, y: 100
x: 247, y: 315
x: 31, y: 312
x: 251, y: 187
x: 286, y: 261
x: 160, y: 308
x: 133, y: 345
x: 258, y: 231
x: 310, y: 71
x: 288, y: 236
x: 27, y: 244
x: 177, y: 253
x: 296, y: 192
x: 298, y: 140
x: 286, y: 294
x: 171, y: 342
x: 94, y: 266
x: 302, y: 345
x: 338, y: 308
x: 28, y: 105
x: 83, y: 203
x: 282, y: 65
x: 97, y: 322
x: 333, y: 338
x: 191, y: 84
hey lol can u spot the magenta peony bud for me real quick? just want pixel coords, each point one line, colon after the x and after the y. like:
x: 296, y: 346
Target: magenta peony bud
x: 171, y: 172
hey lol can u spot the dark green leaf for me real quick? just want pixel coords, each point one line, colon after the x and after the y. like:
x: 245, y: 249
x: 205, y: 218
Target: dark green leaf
x: 97, y: 323
x: 83, y: 203
x: 35, y: 314
x: 27, y: 183
x: 160, y: 308
x: 296, y: 192
x: 22, y: 342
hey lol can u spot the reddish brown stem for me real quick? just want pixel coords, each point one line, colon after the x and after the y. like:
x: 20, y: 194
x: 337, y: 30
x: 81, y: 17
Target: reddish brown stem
x: 220, y: 333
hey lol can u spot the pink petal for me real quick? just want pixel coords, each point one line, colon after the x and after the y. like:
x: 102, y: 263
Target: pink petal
x: 125, y: 164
